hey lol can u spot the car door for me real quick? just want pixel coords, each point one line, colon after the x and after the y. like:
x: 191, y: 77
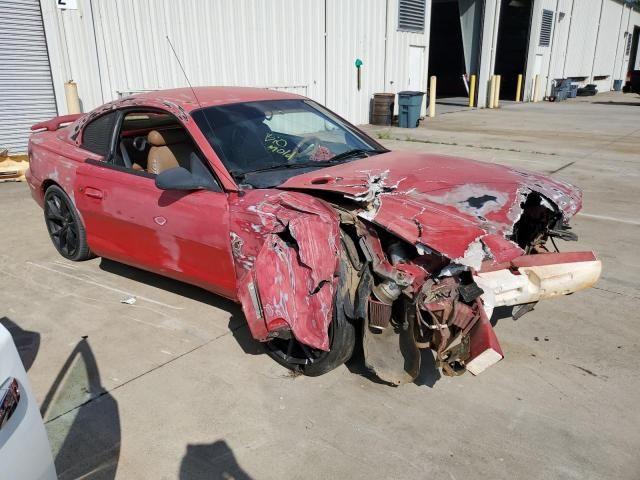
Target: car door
x: 183, y: 235
x: 24, y: 447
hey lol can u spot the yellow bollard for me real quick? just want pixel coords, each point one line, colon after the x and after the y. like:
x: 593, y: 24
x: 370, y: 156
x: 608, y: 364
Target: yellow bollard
x: 519, y: 87
x: 492, y: 91
x: 432, y: 96
x: 536, y: 87
x: 496, y: 100
x: 472, y: 90
x: 73, y: 101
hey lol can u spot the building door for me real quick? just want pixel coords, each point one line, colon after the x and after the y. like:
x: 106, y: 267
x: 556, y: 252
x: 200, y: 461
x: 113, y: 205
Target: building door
x: 416, y: 68
x: 26, y: 88
x: 446, y: 50
x: 513, y: 44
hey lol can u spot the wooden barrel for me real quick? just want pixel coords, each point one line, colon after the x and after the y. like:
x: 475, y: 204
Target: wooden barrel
x: 383, y: 108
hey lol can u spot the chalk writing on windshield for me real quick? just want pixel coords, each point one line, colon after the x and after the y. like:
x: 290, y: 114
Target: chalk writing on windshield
x: 278, y: 145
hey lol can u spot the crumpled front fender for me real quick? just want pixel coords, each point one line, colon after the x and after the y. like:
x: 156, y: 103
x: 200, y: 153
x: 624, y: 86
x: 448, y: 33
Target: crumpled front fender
x: 285, y: 247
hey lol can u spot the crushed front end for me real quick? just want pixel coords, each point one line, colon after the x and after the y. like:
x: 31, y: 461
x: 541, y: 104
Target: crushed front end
x: 426, y: 247
x: 410, y: 296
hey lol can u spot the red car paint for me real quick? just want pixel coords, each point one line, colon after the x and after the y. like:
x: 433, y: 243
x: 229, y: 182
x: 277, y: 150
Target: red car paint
x: 425, y: 199
x: 229, y: 241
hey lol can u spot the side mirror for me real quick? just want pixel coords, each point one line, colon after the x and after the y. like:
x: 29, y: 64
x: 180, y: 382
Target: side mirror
x: 180, y: 179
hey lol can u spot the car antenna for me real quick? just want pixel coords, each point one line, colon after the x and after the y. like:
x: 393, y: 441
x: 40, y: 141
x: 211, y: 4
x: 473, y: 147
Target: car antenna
x: 206, y: 117
x: 185, y: 75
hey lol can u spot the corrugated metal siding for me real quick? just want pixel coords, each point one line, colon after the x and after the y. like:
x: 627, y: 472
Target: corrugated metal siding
x: 26, y: 89
x: 398, y: 44
x: 355, y: 30
x: 605, y: 53
x: 274, y: 44
x: 562, y: 26
x: 540, y: 60
x: 619, y: 69
x: 582, y: 41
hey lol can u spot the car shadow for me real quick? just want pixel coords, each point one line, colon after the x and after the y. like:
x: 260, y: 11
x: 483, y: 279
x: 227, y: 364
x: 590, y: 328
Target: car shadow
x: 429, y: 373
x: 237, y: 323
x: 169, y: 285
x: 626, y: 104
x: 27, y: 342
x: 500, y: 313
x: 82, y: 419
x: 211, y: 461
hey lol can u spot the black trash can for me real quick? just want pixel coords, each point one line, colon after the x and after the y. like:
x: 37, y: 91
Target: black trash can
x: 383, y: 108
x: 409, y: 105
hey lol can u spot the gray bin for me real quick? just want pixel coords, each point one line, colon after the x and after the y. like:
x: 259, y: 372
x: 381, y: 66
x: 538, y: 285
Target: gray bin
x: 409, y: 105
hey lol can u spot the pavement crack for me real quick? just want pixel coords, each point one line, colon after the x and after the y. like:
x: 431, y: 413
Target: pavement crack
x: 481, y: 147
x: 561, y: 168
x: 616, y: 293
x: 151, y: 370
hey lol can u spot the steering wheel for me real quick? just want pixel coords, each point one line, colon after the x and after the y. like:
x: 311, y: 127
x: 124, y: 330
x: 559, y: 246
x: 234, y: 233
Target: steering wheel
x: 140, y: 143
x: 306, y: 146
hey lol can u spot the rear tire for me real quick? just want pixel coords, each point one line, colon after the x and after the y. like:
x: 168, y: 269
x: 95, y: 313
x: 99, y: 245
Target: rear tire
x: 64, y: 225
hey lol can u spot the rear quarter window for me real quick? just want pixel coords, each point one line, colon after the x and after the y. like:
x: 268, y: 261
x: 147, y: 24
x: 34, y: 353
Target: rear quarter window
x: 96, y: 136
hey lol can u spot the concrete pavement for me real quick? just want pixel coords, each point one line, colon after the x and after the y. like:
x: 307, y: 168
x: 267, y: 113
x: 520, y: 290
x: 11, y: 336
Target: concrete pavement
x: 173, y: 387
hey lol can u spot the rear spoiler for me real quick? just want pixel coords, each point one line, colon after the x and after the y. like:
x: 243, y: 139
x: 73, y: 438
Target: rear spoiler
x: 54, y: 124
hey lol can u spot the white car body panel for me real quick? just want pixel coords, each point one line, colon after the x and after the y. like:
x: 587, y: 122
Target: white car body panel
x: 24, y: 448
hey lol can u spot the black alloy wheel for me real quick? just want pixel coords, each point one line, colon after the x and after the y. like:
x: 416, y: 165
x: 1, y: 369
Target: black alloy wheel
x: 64, y: 225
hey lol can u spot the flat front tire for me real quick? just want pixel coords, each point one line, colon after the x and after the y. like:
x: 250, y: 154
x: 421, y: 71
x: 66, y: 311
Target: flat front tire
x: 313, y: 362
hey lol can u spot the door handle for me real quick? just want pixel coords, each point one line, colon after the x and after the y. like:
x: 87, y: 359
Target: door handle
x: 9, y: 399
x: 93, y: 192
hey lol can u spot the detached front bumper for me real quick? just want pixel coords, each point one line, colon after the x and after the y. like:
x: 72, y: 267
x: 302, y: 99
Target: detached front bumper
x: 532, y: 278
x: 527, y: 279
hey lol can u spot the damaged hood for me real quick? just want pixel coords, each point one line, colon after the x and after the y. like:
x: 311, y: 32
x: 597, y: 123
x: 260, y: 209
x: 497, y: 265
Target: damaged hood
x: 461, y: 208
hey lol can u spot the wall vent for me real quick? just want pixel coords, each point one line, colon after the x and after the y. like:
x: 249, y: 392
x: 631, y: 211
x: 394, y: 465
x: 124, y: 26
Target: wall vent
x: 411, y: 15
x: 545, y: 28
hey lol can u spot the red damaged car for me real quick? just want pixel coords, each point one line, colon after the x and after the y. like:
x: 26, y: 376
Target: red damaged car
x: 271, y: 200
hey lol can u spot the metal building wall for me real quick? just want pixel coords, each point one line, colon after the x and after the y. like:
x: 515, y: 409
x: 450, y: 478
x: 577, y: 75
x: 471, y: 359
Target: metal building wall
x: 582, y: 40
x: 72, y: 52
x: 588, y: 39
x: 355, y: 29
x: 539, y: 58
x: 116, y: 47
x: 489, y: 36
x: 560, y: 40
x: 26, y: 90
x: 399, y: 42
x: 605, y: 52
x: 621, y: 60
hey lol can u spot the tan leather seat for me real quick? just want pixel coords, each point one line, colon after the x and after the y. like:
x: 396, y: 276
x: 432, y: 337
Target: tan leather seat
x: 169, y: 149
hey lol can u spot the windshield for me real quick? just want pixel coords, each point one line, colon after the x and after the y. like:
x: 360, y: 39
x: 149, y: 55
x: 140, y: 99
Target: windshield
x: 264, y: 143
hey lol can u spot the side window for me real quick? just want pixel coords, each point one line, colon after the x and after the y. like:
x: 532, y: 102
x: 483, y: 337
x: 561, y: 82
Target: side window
x: 96, y: 136
x: 150, y: 142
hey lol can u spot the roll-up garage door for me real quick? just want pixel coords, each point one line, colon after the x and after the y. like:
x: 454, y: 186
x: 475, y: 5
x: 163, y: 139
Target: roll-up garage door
x: 26, y: 88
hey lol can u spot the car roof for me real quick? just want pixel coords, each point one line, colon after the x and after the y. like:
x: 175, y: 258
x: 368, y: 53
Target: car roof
x: 211, y: 96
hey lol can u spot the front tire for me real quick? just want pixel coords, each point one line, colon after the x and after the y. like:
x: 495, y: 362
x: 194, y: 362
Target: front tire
x: 313, y: 362
x: 64, y: 225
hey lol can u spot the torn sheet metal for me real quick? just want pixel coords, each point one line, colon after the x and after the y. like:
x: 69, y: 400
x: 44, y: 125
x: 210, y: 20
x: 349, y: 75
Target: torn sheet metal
x: 445, y: 203
x: 286, y: 248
